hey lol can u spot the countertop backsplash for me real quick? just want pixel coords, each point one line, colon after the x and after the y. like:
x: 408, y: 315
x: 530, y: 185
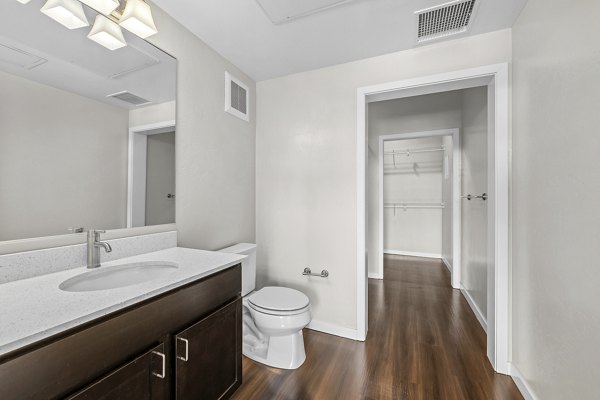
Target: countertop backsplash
x: 41, y: 262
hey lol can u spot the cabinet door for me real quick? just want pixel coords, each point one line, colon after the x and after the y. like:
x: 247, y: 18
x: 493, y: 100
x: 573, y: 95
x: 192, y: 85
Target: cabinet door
x: 141, y: 379
x: 209, y: 356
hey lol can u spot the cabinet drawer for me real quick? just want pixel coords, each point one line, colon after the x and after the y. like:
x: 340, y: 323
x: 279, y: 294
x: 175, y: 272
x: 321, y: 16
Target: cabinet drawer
x: 145, y: 378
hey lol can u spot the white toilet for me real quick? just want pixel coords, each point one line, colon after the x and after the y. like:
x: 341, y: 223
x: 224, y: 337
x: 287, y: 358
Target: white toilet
x: 273, y: 317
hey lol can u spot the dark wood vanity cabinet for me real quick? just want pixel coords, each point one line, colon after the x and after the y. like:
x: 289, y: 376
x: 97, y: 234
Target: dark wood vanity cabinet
x: 183, y: 344
x: 208, y: 363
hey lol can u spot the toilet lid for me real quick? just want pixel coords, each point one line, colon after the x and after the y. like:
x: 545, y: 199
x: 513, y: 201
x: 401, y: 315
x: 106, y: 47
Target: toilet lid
x: 279, y: 299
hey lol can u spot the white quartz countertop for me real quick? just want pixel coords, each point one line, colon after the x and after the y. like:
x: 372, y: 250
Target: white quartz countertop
x: 35, y: 308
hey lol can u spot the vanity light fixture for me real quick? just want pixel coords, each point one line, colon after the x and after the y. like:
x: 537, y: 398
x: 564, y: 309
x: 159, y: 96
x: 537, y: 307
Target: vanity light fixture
x: 66, y: 12
x: 107, y: 33
x: 133, y: 15
x: 106, y: 7
x: 23, y: 1
x: 137, y: 19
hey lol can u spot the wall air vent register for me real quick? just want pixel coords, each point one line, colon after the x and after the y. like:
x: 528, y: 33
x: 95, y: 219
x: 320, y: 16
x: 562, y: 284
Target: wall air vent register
x: 237, y: 97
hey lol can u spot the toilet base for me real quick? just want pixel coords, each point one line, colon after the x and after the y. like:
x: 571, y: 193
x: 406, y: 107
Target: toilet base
x: 285, y: 352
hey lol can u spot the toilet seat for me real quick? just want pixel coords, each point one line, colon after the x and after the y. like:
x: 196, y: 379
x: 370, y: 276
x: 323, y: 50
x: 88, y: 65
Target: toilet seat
x: 277, y: 312
x: 279, y: 301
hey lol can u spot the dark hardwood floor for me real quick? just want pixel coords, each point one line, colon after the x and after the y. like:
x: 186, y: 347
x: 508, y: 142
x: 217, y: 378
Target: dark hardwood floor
x: 423, y: 343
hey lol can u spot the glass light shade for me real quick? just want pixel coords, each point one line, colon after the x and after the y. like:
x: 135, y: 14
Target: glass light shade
x: 66, y: 12
x: 107, y: 33
x: 104, y: 6
x: 23, y: 1
x: 137, y: 19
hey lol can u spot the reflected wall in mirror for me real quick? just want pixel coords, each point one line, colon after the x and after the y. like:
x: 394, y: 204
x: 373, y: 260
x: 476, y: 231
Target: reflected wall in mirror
x: 87, y: 135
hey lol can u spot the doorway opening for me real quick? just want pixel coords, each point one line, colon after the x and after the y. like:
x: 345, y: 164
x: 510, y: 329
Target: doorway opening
x: 418, y: 209
x: 495, y: 79
x: 151, y: 175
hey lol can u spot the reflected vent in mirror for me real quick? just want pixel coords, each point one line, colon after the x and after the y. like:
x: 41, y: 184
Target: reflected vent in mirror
x: 130, y: 98
x: 445, y: 20
x: 237, y: 97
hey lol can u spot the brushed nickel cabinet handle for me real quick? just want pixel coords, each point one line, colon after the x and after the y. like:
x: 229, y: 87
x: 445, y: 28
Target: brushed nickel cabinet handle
x: 163, y: 373
x: 187, y: 347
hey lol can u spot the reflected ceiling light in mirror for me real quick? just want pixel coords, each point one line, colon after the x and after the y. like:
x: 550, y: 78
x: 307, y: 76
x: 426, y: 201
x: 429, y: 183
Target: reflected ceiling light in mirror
x: 66, y: 12
x: 104, y: 6
x: 137, y: 19
x: 107, y: 33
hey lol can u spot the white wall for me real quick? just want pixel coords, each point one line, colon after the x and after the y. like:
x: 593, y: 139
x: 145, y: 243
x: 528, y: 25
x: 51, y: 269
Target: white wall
x: 474, y: 162
x: 448, y: 194
x: 153, y: 113
x: 215, y: 151
x: 306, y: 165
x: 407, y: 115
x: 556, y: 193
x: 414, y: 179
x: 63, y: 161
x: 138, y: 179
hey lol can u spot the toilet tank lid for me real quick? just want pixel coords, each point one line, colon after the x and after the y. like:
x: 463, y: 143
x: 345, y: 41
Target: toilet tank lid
x: 240, y: 248
x: 279, y: 299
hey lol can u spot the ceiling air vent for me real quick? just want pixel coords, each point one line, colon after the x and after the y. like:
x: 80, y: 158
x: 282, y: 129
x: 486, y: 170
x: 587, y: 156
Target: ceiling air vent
x: 130, y: 98
x: 237, y: 97
x: 281, y: 11
x: 445, y: 20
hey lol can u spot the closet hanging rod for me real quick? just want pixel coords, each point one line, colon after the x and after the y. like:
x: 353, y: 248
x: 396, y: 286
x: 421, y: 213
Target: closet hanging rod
x: 414, y: 205
x: 406, y: 207
x: 408, y: 152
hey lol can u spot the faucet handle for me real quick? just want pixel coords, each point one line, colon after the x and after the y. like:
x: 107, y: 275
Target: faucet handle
x: 97, y: 233
x: 76, y: 230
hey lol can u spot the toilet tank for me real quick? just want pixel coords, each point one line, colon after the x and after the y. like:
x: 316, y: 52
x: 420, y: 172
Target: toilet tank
x: 248, y: 264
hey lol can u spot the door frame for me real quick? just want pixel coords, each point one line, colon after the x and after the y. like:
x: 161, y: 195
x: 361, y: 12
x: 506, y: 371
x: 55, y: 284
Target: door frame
x: 456, y: 200
x: 496, y: 78
x: 138, y: 136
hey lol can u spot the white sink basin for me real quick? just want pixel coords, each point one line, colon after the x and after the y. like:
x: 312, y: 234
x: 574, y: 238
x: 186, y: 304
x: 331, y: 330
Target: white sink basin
x: 118, y: 276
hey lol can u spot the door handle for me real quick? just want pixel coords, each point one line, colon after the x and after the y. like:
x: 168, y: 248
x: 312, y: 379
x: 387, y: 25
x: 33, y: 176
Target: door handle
x: 187, y: 348
x: 470, y: 196
x: 162, y: 356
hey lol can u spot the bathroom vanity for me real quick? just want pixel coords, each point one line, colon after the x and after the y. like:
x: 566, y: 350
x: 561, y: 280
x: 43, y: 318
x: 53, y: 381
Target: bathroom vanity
x: 175, y: 337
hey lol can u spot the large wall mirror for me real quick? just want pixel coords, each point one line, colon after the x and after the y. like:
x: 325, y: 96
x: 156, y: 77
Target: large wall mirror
x: 87, y: 135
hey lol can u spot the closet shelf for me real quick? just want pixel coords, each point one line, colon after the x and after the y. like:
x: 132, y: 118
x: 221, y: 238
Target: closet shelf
x: 409, y: 152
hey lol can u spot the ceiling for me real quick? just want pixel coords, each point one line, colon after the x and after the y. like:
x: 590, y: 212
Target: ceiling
x: 36, y: 47
x: 257, y: 37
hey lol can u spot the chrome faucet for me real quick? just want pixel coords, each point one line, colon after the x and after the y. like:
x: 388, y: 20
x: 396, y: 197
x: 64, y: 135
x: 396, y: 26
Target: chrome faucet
x: 93, y: 248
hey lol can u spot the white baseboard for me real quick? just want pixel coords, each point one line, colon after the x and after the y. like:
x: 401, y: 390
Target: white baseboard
x: 474, y: 307
x: 333, y: 329
x: 522, y: 384
x: 447, y: 264
x: 375, y: 275
x: 412, y: 253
